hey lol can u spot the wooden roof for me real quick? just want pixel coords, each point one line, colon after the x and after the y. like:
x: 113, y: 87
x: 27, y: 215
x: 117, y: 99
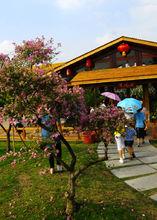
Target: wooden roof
x: 105, y: 46
x: 51, y: 66
x: 115, y: 75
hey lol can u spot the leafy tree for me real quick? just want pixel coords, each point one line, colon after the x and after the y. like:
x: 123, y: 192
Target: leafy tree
x: 33, y: 93
x: 27, y: 56
x: 93, y: 97
x: 4, y: 60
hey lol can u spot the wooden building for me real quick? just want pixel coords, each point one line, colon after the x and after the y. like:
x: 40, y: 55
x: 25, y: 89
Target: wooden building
x: 122, y: 64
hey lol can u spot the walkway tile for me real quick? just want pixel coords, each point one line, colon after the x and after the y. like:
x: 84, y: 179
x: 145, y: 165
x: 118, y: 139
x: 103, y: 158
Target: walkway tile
x: 153, y: 165
x: 113, y: 156
x: 144, y: 154
x: 133, y: 171
x: 115, y: 163
x: 152, y: 159
x: 143, y: 183
x: 154, y: 197
x: 146, y: 148
x: 112, y: 151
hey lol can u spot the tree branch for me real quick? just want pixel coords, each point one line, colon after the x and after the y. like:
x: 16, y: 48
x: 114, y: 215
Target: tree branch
x: 81, y: 170
x: 3, y: 128
x: 73, y: 161
x: 20, y: 137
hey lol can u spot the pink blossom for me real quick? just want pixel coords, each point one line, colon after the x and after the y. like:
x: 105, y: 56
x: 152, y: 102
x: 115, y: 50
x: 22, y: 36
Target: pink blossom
x: 2, y: 158
x: 13, y: 163
x: 34, y: 155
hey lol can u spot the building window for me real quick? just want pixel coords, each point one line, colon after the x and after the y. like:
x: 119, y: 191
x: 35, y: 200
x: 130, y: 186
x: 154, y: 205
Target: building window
x: 149, y: 59
x: 127, y: 61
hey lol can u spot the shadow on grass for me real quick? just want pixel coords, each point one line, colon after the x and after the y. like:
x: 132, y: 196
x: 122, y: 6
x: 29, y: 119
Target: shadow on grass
x: 91, y: 211
x: 105, y: 212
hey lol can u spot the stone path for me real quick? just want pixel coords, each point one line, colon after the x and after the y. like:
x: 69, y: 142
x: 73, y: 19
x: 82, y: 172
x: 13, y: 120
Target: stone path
x: 139, y: 173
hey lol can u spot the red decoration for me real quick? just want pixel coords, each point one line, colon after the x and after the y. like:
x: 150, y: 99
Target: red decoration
x: 68, y: 72
x: 125, y: 85
x: 123, y: 48
x: 89, y: 137
x: 89, y: 63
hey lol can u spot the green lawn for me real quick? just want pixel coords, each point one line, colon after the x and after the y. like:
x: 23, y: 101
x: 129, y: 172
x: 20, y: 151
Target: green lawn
x: 29, y: 192
x: 154, y: 143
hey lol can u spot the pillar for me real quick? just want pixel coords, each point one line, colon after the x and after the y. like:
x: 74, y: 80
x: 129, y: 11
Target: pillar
x: 146, y: 100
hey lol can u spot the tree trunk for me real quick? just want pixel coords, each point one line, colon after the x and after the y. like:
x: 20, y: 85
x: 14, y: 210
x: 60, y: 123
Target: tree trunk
x: 8, y: 139
x: 106, y: 149
x: 70, y: 196
x: 7, y: 131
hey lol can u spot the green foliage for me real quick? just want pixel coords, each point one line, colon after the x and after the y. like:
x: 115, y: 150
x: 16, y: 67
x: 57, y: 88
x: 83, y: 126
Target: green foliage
x: 93, y: 97
x: 137, y: 92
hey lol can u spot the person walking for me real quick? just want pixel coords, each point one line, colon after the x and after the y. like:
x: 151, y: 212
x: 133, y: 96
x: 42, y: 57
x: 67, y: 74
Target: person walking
x: 129, y: 139
x: 47, y: 144
x: 58, y: 150
x: 119, y: 138
x: 140, y: 124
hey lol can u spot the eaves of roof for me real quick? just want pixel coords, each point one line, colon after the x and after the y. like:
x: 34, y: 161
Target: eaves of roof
x: 115, y: 75
x: 105, y: 46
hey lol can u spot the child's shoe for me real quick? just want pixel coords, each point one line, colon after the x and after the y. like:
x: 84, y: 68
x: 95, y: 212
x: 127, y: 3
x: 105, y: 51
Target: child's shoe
x: 121, y: 160
x: 51, y: 170
x: 59, y: 168
x: 133, y: 155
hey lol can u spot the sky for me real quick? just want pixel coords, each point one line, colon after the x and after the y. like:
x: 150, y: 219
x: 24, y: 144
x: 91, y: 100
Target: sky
x: 79, y: 25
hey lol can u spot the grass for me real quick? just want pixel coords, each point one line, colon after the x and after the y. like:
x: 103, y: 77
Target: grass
x: 154, y: 143
x: 28, y: 191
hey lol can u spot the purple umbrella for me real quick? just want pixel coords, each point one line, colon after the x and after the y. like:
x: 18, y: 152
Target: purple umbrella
x: 111, y: 96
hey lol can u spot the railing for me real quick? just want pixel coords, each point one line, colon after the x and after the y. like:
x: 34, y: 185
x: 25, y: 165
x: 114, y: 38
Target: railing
x: 34, y: 134
x: 27, y: 134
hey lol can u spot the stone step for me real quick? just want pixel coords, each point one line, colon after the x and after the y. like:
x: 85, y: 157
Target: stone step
x: 143, y: 183
x: 133, y: 171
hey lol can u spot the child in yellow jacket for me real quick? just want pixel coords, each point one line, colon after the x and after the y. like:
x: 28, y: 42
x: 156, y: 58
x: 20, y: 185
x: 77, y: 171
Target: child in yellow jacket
x: 119, y: 138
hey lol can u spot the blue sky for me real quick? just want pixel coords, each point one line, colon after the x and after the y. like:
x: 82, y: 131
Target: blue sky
x: 79, y: 25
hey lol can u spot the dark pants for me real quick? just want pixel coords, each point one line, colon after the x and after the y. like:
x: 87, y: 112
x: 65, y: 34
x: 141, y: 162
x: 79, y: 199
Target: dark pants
x: 141, y: 133
x: 59, y: 155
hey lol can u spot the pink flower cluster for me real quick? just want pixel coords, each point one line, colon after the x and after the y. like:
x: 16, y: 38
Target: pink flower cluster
x: 3, y: 57
x: 34, y: 155
x: 35, y: 51
x: 2, y: 158
x: 13, y: 163
x: 104, y: 121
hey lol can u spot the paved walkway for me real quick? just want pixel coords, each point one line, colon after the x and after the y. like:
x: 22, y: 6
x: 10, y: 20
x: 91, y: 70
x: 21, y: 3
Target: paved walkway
x: 139, y: 173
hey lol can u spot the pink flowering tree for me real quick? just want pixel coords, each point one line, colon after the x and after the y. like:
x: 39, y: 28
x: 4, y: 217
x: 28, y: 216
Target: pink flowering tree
x: 28, y: 55
x: 104, y: 121
x: 34, y: 52
x: 5, y: 61
x: 32, y: 93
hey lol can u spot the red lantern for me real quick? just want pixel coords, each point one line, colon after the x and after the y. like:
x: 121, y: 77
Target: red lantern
x: 123, y: 48
x: 68, y: 72
x: 89, y: 63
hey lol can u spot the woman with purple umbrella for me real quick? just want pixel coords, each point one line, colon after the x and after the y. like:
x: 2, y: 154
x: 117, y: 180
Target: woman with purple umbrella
x: 112, y: 97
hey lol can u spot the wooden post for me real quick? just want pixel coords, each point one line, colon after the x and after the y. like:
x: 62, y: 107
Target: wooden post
x: 13, y: 137
x: 146, y: 100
